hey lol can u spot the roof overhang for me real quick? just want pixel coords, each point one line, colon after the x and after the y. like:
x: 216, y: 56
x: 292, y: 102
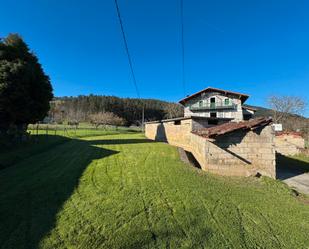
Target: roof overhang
x: 242, y: 97
x: 249, y: 108
x: 229, y: 127
x: 167, y: 120
x: 186, y: 118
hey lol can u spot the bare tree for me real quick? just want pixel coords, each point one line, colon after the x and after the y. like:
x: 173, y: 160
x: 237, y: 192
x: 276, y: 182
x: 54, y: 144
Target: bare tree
x: 173, y: 111
x: 56, y: 112
x: 282, y: 106
x: 106, y: 118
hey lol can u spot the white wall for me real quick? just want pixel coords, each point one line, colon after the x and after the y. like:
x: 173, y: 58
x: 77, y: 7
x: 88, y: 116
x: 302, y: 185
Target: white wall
x: 237, y: 114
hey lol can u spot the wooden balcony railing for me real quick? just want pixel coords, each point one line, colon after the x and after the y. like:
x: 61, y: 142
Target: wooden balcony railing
x: 212, y: 106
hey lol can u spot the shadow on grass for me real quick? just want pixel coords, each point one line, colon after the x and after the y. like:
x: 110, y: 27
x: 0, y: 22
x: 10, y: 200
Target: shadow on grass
x: 287, y: 167
x: 16, y: 152
x: 120, y: 141
x: 34, y: 190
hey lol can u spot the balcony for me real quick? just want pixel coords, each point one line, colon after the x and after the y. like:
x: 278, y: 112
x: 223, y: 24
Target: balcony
x: 212, y: 106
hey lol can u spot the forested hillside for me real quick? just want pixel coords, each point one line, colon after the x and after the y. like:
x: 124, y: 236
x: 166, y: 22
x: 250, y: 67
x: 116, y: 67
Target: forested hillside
x: 80, y: 108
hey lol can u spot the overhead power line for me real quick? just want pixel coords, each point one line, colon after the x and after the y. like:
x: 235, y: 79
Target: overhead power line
x: 126, y: 48
x: 182, y: 49
x: 130, y: 60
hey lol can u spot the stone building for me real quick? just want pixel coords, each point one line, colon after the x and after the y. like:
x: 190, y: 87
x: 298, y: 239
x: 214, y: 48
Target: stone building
x: 234, y: 148
x: 217, y: 103
x: 221, y: 134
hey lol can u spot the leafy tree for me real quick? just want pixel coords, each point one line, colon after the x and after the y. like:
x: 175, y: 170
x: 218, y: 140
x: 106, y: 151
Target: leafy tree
x: 25, y: 90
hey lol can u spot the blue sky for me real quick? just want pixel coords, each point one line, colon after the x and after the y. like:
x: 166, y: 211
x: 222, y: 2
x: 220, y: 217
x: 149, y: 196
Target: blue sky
x: 256, y: 47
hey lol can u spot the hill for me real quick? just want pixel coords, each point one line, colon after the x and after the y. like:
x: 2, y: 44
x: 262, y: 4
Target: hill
x: 292, y: 122
x: 81, y: 107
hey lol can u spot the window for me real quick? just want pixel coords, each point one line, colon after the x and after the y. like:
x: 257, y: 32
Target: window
x: 200, y: 103
x: 213, y: 102
x: 177, y: 122
x: 227, y: 101
x: 213, y: 114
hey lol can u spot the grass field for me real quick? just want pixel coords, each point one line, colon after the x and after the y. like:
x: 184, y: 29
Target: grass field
x: 83, y: 130
x: 123, y: 191
x: 48, y: 137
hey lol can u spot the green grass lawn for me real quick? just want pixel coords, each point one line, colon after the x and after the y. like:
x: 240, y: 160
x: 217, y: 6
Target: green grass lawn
x: 45, y: 139
x: 123, y: 191
x: 83, y: 130
x: 303, y: 158
x: 297, y: 162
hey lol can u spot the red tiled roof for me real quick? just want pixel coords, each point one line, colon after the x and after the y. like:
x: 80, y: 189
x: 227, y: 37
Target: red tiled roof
x: 217, y: 130
x: 289, y: 133
x: 242, y: 96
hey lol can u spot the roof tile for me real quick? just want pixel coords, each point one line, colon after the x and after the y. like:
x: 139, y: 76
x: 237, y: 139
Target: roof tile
x: 217, y: 130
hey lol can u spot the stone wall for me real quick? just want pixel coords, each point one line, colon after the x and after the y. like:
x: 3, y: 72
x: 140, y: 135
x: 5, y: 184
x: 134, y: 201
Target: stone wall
x: 241, y: 153
x: 177, y: 135
x: 289, y: 143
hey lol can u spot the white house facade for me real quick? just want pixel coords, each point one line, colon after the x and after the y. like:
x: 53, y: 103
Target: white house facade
x: 217, y: 104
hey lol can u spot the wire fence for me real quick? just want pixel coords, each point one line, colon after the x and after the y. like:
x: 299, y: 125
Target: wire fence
x: 83, y: 130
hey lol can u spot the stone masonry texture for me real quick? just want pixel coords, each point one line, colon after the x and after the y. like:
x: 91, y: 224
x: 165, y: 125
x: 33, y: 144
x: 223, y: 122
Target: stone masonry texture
x: 240, y: 153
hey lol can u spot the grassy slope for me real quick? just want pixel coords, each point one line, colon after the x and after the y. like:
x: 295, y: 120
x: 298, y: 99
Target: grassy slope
x: 122, y: 191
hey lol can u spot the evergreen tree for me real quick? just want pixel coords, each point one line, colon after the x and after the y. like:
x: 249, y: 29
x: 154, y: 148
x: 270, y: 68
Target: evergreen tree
x: 25, y: 90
